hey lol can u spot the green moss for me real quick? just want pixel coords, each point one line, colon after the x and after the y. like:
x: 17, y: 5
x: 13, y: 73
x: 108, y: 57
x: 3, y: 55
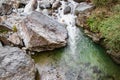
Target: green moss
x: 108, y: 26
x: 3, y: 31
x: 100, y: 3
x: 14, y: 28
x: 110, y: 29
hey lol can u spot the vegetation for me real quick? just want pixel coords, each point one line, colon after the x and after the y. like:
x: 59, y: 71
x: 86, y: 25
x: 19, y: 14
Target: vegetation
x: 106, y: 21
x: 14, y: 28
x: 101, y: 3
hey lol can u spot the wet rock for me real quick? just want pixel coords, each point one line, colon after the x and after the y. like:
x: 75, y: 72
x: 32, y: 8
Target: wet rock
x: 67, y: 10
x: 15, y: 39
x: 41, y: 33
x: 78, y: 1
x: 0, y: 44
x: 15, y: 64
x: 56, y: 4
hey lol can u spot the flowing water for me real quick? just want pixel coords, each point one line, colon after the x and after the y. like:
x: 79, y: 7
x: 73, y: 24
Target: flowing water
x: 81, y: 59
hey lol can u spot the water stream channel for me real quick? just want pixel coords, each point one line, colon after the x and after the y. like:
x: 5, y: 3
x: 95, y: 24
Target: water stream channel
x: 81, y: 59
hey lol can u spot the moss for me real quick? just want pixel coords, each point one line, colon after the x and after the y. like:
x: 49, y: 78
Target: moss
x: 101, y: 3
x: 107, y: 23
x: 14, y: 28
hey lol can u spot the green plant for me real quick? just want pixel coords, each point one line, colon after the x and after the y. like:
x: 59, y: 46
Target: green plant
x: 100, y: 3
x: 116, y: 8
x: 14, y: 28
x: 110, y: 29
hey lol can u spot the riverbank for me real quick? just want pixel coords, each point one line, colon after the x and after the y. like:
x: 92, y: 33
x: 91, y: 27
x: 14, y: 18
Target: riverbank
x: 102, y: 25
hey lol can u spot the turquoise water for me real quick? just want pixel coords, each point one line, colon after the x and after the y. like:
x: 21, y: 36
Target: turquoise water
x: 81, y: 59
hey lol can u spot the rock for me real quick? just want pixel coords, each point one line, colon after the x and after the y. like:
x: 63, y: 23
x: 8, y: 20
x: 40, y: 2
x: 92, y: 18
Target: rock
x: 81, y: 20
x: 45, y: 11
x: 4, y: 40
x: 15, y: 64
x: 15, y: 39
x: 13, y: 20
x: 45, y: 5
x: 83, y: 7
x: 114, y: 55
x: 41, y: 33
x: 5, y: 9
x: 78, y: 1
x: 95, y: 37
x: 67, y: 10
x: 83, y: 11
x: 31, y: 6
x: 56, y: 4
x: 4, y: 33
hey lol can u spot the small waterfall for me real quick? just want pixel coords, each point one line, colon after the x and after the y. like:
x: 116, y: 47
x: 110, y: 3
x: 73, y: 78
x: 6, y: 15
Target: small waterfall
x: 80, y: 60
x: 69, y: 21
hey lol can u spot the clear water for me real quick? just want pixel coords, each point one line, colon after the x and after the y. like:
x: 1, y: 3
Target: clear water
x: 81, y: 59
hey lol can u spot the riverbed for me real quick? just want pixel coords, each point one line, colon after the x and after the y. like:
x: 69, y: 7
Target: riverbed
x: 81, y: 59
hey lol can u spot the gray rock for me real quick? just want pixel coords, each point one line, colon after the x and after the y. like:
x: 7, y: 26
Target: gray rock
x: 46, y: 4
x: 67, y: 10
x: 56, y: 4
x: 4, y: 33
x: 15, y: 64
x: 5, y: 9
x: 40, y: 33
x: 31, y: 6
x: 15, y: 39
x: 83, y: 7
x: 83, y: 11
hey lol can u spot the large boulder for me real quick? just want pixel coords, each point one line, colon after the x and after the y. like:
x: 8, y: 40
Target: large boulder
x: 15, y: 64
x: 40, y: 33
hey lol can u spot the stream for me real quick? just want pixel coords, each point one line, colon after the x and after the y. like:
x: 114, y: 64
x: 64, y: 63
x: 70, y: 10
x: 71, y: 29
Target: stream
x: 81, y: 59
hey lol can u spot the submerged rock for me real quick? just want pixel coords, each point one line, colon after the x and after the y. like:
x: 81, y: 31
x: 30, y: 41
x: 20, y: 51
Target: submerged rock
x: 15, y: 64
x: 40, y: 33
